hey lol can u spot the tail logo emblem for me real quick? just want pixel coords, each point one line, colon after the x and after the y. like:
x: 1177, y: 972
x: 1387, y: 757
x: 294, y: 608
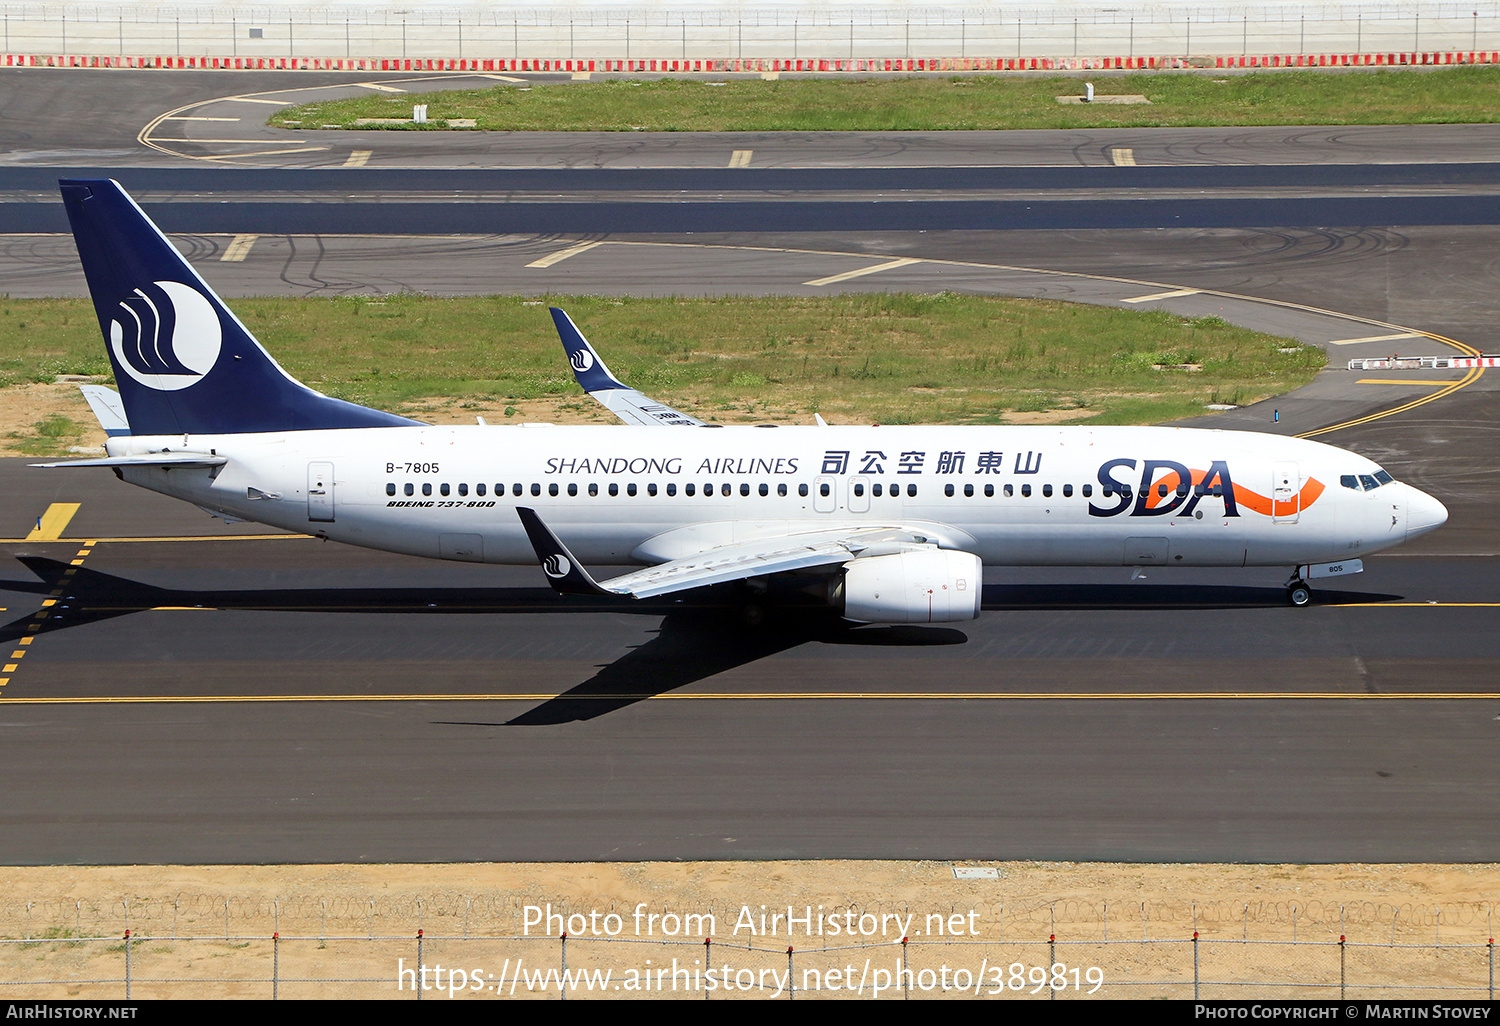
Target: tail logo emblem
x: 557, y: 566
x: 581, y: 360
x: 166, y: 336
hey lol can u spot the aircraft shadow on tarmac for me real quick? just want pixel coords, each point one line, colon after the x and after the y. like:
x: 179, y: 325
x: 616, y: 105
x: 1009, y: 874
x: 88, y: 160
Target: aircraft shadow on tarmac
x: 697, y: 638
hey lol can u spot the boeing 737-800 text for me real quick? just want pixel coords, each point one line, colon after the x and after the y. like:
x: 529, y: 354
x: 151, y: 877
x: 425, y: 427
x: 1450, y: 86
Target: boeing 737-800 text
x: 890, y: 524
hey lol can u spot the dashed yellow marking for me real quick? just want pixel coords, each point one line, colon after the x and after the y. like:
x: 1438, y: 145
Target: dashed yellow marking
x: 41, y: 615
x: 238, y: 249
x: 740, y: 158
x: 51, y: 524
x: 189, y: 117
x: 564, y: 254
x: 889, y: 265
x: 358, y: 158
x: 77, y: 562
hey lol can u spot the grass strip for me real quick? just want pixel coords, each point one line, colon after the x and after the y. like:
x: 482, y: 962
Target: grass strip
x: 1464, y: 95
x: 887, y: 358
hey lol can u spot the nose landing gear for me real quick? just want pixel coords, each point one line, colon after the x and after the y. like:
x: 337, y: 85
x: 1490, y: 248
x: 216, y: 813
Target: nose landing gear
x: 1297, y: 592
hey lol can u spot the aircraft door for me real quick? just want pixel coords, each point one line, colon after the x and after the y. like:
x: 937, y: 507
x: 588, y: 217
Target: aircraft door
x: 320, y: 492
x: 859, y: 494
x: 825, y: 494
x: 1286, y: 493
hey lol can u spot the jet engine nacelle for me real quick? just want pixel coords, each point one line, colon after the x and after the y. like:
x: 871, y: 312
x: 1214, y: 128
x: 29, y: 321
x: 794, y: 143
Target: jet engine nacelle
x: 933, y: 586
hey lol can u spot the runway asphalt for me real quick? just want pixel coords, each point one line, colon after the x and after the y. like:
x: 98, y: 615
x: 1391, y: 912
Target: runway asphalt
x: 286, y: 700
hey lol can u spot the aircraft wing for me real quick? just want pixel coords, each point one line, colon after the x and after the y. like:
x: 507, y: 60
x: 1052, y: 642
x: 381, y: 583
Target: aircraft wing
x: 593, y: 376
x: 720, y: 565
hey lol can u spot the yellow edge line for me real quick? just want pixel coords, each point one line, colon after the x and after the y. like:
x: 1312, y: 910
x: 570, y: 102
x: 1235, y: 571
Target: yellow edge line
x: 761, y: 696
x: 1464, y: 382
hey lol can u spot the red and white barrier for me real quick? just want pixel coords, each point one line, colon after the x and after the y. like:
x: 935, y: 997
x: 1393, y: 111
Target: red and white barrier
x: 759, y: 64
x: 1425, y: 363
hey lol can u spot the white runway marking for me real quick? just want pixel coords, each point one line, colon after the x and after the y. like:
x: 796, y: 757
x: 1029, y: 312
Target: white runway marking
x: 253, y: 99
x: 238, y: 249
x: 740, y: 158
x: 502, y: 78
x: 582, y: 76
x: 563, y: 254
x: 379, y: 87
x: 889, y: 265
x: 1162, y: 295
x: 1122, y: 157
x: 189, y: 117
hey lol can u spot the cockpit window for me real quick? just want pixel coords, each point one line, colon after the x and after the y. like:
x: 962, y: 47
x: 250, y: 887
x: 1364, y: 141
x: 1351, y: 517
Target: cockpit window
x: 1366, y: 482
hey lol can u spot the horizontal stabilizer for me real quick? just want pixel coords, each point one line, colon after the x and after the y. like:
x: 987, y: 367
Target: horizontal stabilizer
x: 149, y: 459
x: 107, y: 409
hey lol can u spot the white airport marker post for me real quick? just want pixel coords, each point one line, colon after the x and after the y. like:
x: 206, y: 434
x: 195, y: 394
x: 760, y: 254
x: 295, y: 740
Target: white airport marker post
x: 1088, y: 92
x: 419, y: 113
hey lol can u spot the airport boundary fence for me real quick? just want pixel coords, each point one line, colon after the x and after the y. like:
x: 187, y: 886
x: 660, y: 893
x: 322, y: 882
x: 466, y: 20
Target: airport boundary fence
x: 454, y: 947
x: 378, y: 36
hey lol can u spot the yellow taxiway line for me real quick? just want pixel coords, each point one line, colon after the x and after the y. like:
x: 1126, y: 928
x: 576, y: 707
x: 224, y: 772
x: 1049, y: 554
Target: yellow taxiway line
x: 772, y: 696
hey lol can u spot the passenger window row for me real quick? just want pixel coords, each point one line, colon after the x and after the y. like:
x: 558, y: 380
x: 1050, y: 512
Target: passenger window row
x: 877, y: 490
x: 613, y: 488
x: 1009, y: 491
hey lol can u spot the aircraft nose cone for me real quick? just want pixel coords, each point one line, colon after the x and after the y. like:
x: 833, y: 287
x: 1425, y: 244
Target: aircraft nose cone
x: 1423, y: 513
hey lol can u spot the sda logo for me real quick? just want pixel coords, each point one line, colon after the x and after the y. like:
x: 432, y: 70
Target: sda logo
x: 582, y: 360
x: 557, y: 566
x: 168, y: 336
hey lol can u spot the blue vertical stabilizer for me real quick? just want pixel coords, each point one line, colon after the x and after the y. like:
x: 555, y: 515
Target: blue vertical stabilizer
x: 183, y: 363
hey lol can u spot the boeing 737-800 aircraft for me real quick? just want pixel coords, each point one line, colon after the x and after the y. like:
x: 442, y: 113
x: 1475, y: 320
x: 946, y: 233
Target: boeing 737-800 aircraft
x: 890, y: 524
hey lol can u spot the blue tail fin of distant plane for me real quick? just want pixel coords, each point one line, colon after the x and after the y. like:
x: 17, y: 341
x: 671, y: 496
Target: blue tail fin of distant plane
x: 183, y: 363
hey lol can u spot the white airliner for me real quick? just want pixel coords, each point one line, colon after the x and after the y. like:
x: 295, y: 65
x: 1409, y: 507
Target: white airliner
x: 890, y: 524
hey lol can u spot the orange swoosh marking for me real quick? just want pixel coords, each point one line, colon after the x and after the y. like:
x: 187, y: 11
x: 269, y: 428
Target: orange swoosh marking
x: 1243, y: 496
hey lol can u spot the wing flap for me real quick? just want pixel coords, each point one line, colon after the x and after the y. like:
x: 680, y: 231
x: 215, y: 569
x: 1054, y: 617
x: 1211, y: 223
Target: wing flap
x: 777, y: 554
x: 734, y: 563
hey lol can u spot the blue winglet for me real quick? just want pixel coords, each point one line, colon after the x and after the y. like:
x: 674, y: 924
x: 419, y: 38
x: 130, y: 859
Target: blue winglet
x: 592, y: 374
x: 183, y: 362
x: 566, y: 575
